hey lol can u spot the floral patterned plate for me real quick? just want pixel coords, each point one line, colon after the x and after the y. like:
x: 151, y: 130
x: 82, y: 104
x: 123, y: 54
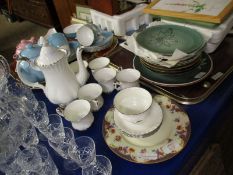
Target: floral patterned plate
x: 167, y: 142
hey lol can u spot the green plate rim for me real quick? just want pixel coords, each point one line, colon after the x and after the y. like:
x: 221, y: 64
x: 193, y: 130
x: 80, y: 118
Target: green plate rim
x: 193, y: 31
x: 147, y: 76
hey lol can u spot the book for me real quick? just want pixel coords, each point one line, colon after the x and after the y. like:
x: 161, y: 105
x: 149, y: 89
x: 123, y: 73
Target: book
x: 78, y: 21
x: 83, y: 12
x: 214, y: 11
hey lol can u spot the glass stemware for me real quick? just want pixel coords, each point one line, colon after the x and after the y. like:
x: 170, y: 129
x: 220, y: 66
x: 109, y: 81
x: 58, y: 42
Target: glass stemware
x: 49, y: 167
x: 39, y: 116
x: 36, y: 160
x: 30, y: 159
x: 55, y: 129
x: 23, y: 93
x: 102, y: 166
x: 30, y: 136
x: 83, y: 152
x: 62, y: 147
x: 4, y: 72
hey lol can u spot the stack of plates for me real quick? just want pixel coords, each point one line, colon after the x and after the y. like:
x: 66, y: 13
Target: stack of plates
x: 164, y: 40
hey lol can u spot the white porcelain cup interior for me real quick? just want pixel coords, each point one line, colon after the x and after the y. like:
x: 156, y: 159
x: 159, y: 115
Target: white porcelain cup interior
x: 106, y: 78
x: 99, y: 63
x: 92, y: 92
x: 126, y: 78
x: 104, y: 75
x: 86, y: 35
x: 132, y: 101
x: 128, y: 75
x: 77, y: 110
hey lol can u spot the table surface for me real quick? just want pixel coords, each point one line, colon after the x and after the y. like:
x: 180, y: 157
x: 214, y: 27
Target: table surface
x: 202, y: 116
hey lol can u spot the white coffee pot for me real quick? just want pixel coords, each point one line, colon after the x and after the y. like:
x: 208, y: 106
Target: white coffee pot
x: 61, y: 86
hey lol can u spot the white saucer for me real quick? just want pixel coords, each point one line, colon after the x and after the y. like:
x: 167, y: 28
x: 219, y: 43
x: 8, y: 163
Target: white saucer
x: 83, y: 124
x: 149, y: 124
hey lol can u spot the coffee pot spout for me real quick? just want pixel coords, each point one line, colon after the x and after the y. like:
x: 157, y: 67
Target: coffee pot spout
x: 82, y: 75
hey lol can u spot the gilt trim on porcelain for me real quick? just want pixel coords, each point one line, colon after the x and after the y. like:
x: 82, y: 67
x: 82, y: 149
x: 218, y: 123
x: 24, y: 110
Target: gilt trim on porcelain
x: 156, y: 153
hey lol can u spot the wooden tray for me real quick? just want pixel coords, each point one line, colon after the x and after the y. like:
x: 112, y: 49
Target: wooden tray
x: 222, y: 68
x: 206, y: 11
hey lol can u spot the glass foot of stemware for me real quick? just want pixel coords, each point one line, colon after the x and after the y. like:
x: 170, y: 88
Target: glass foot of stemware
x: 70, y: 165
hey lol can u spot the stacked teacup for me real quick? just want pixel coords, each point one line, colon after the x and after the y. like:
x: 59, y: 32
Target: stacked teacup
x: 113, y: 79
x: 136, y: 114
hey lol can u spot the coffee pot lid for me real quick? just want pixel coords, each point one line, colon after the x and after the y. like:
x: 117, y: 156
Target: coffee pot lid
x: 49, y: 55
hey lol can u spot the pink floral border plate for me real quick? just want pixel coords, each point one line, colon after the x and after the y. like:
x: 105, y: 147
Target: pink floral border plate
x: 170, y: 146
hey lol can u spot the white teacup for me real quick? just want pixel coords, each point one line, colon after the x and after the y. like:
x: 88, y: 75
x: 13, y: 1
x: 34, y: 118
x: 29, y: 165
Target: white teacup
x: 92, y: 92
x: 87, y: 34
x: 106, y: 78
x: 127, y: 78
x: 79, y: 113
x: 133, y: 104
x: 98, y: 63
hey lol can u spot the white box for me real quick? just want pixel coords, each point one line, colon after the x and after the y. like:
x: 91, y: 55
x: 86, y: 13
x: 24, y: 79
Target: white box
x: 120, y: 24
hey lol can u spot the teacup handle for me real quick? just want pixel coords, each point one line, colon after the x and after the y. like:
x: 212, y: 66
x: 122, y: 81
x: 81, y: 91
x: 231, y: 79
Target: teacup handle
x: 117, y: 85
x: 96, y: 103
x: 119, y: 68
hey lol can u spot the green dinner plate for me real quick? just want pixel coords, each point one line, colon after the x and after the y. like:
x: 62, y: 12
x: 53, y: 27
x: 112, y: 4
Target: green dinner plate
x: 189, y: 77
x: 164, y: 39
x: 181, y: 68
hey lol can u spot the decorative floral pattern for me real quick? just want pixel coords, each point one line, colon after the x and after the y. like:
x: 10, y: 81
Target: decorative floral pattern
x: 165, y: 37
x: 170, y: 147
x: 194, y: 6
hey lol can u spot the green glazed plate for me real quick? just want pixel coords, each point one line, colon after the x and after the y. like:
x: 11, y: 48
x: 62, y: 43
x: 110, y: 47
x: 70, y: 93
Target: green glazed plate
x: 164, y: 39
x: 189, y: 77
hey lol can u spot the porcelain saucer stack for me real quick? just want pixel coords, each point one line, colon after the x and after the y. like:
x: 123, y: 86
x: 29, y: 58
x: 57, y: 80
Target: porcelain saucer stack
x: 136, y: 114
